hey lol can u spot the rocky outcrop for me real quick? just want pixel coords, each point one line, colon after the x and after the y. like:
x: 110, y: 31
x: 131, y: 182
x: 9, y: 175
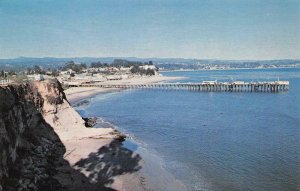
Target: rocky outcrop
x: 90, y: 122
x: 29, y: 147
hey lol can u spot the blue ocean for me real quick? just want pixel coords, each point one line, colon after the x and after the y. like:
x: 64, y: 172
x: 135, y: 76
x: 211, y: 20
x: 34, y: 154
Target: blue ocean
x: 215, y: 140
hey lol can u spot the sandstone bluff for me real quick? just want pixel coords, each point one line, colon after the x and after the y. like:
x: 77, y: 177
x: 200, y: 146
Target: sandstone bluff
x: 33, y: 143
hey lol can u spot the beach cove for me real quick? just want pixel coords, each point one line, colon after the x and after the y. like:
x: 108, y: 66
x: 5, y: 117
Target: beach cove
x: 212, y: 155
x: 146, y: 165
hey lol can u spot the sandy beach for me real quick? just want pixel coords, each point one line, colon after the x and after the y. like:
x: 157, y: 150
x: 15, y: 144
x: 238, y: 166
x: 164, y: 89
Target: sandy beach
x: 98, y: 155
x: 77, y: 94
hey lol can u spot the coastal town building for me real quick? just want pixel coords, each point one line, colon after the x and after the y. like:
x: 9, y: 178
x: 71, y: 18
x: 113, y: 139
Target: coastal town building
x: 36, y: 77
x: 146, y: 67
x: 67, y: 72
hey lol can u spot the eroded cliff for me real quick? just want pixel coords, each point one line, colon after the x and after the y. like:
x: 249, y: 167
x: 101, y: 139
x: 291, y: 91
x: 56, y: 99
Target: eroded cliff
x: 29, y: 147
x: 45, y: 145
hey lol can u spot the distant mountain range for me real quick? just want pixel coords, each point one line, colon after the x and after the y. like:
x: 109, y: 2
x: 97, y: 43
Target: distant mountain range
x: 166, y: 63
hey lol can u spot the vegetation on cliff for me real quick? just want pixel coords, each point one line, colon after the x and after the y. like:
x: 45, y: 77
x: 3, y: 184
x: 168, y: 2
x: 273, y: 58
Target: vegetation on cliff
x: 28, y: 145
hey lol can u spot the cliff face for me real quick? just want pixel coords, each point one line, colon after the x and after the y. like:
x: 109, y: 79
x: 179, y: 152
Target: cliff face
x: 44, y: 144
x: 29, y: 147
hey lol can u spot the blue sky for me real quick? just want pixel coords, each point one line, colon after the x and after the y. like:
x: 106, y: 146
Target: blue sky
x: 214, y: 29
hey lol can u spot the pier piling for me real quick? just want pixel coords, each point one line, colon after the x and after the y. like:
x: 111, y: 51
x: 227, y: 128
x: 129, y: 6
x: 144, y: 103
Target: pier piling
x: 206, y: 86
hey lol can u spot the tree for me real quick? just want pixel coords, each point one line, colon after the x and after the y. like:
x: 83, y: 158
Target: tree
x: 96, y: 65
x: 37, y: 69
x: 75, y: 67
x: 11, y: 72
x: 83, y: 66
x: 29, y: 71
x: 150, y: 72
x: 54, y: 73
x: 135, y: 69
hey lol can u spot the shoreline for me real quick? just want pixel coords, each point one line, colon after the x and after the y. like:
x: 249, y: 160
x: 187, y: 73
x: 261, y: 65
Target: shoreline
x: 77, y: 94
x: 150, y: 176
x: 191, y: 70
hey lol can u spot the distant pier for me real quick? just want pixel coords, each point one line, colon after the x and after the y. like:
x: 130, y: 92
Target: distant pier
x: 205, y: 86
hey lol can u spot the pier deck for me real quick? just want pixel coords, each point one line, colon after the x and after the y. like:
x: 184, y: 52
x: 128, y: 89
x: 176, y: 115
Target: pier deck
x: 210, y: 86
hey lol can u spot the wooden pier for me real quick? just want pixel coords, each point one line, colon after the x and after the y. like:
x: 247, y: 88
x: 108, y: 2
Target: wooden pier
x: 206, y: 86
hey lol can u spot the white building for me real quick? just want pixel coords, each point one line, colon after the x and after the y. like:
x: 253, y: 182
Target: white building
x: 68, y: 72
x: 239, y: 82
x: 36, y: 77
x: 146, y: 67
x: 114, y: 77
x: 125, y: 69
x: 210, y: 82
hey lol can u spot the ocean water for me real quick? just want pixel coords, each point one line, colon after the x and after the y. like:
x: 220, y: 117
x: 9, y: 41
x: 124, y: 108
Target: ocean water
x: 215, y: 140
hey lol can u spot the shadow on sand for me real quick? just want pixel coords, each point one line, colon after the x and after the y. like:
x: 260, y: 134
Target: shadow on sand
x: 39, y: 162
x: 97, y: 171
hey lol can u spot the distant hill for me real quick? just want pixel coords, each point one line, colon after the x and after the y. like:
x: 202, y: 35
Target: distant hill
x: 21, y: 63
x: 52, y: 62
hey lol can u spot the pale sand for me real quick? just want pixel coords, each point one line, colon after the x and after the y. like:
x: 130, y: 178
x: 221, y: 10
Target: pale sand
x: 82, y: 145
x: 98, y: 160
x: 144, y: 80
x: 80, y: 93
